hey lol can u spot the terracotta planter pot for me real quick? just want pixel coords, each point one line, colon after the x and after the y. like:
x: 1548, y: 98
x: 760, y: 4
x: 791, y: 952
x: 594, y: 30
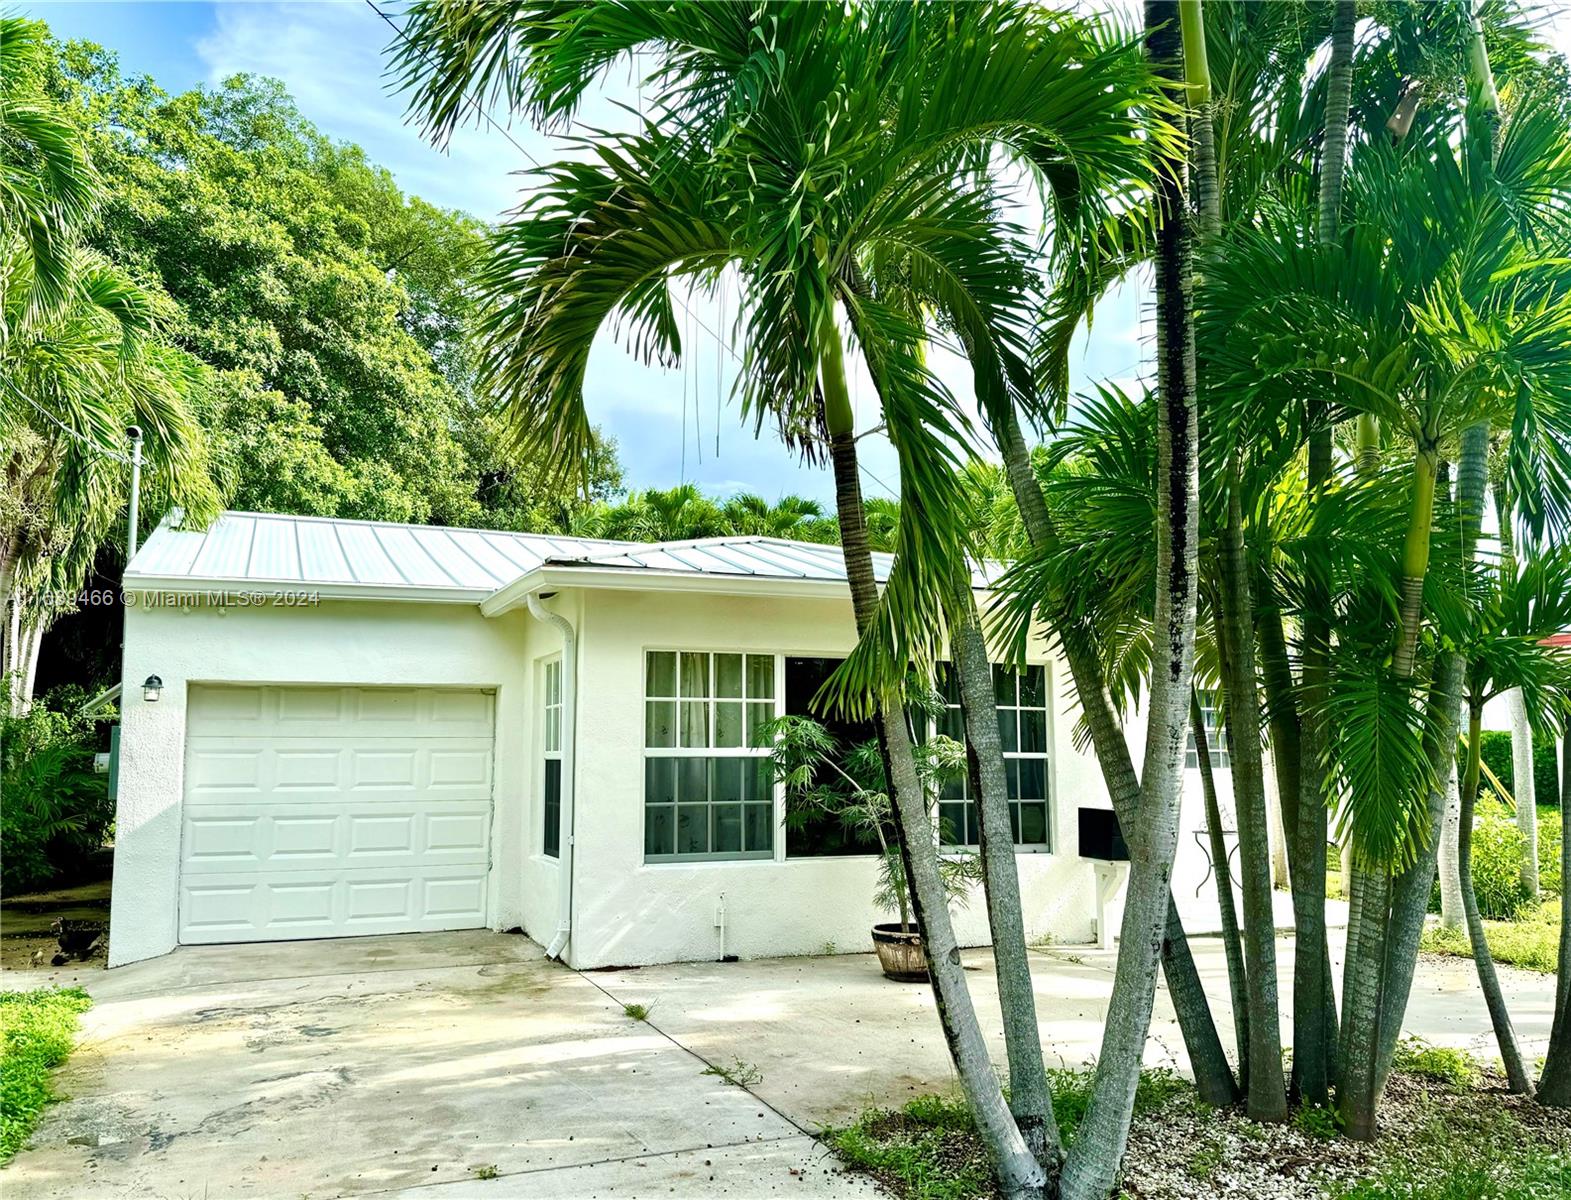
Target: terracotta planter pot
x: 900, y: 952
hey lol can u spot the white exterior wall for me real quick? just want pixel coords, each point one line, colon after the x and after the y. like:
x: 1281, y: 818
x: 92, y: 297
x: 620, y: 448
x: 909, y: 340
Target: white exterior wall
x: 337, y: 642
x: 631, y: 913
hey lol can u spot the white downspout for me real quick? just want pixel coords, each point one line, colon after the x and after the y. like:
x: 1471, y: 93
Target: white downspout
x: 564, y: 922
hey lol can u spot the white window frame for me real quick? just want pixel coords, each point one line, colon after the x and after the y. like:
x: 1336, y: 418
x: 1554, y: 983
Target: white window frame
x: 1216, y: 734
x: 1045, y: 755
x: 710, y: 750
x: 550, y: 744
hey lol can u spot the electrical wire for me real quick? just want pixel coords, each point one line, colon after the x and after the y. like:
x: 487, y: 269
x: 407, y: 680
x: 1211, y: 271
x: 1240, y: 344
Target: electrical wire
x: 473, y: 101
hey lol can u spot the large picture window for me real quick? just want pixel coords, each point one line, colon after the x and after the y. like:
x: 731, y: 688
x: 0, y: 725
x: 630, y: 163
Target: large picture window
x: 708, y: 790
x: 1021, y: 699
x: 551, y: 785
x: 1216, y: 734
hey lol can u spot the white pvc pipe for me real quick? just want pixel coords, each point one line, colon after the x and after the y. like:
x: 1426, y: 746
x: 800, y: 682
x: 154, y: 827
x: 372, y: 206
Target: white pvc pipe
x: 136, y: 488
x: 564, y: 922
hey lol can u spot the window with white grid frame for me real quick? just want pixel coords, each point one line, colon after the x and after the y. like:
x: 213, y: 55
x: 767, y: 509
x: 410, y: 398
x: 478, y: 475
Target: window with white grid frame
x: 551, y: 741
x: 708, y: 783
x: 1021, y: 702
x: 1216, y: 734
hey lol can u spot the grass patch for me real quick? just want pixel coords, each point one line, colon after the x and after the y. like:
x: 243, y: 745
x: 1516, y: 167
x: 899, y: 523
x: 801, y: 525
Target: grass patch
x: 929, y: 1149
x: 1454, y: 1068
x: 1532, y: 941
x: 39, y: 1029
x: 638, y: 1012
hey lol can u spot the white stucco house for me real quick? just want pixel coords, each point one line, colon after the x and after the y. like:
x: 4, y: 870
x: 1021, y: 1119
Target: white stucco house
x: 336, y: 727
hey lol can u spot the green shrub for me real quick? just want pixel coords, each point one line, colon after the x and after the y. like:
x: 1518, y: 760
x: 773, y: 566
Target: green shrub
x: 56, y: 809
x: 1497, y: 863
x: 1531, y: 942
x: 1549, y: 833
x: 1495, y: 749
x: 1454, y: 1068
x: 38, y: 1030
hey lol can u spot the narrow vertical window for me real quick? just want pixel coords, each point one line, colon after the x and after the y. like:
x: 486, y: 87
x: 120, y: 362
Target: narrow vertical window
x: 1021, y: 702
x: 1216, y: 734
x: 551, y: 787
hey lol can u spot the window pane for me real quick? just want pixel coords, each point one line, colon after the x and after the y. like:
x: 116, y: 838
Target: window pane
x: 1006, y: 730
x: 695, y: 722
x: 695, y: 674
x: 692, y: 780
x: 1014, y: 824
x: 553, y: 807
x: 726, y: 779
x: 760, y: 677
x: 759, y: 716
x: 973, y: 821
x: 728, y: 675
x: 757, y: 779
x: 948, y: 683
x: 1033, y: 780
x: 760, y: 827
x: 952, y: 787
x: 728, y: 723
x: 727, y: 835
x: 660, y: 781
x: 1003, y: 685
x: 692, y: 828
x: 1033, y: 687
x: 1033, y: 824
x: 952, y: 724
x: 1033, y: 731
x: 1012, y: 775
x: 661, y: 678
x: 553, y: 680
x: 660, y: 723
x: 553, y: 730
x: 951, y: 823
x: 659, y: 829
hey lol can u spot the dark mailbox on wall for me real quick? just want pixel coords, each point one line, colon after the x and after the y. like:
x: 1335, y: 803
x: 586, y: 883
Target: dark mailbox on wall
x: 1100, y: 836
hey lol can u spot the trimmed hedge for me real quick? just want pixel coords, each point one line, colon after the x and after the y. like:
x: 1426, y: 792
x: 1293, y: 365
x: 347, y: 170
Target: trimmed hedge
x: 1495, y: 749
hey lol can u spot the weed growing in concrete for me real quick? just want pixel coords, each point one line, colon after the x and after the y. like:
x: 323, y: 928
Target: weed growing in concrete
x: 638, y: 1012
x: 738, y: 1074
x: 487, y: 1172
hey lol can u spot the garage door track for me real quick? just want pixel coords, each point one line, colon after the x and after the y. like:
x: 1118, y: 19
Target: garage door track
x: 424, y: 1064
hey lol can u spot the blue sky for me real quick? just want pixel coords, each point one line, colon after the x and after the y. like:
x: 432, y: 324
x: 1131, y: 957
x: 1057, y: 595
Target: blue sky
x: 330, y: 56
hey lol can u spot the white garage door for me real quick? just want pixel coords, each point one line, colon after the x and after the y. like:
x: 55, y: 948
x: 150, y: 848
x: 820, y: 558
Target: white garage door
x: 323, y: 812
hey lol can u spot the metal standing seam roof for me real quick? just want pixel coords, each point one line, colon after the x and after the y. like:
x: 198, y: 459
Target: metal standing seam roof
x: 241, y: 549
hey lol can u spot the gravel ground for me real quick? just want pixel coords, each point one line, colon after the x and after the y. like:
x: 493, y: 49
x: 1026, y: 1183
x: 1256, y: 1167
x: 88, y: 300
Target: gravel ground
x: 1184, y: 1151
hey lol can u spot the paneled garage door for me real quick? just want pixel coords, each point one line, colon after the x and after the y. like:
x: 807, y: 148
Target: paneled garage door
x: 324, y: 812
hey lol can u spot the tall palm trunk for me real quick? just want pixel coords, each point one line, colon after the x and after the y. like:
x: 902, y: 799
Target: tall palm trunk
x: 1232, y: 946
x: 1019, y: 1173
x: 1029, y: 1097
x: 1213, y: 1077
x: 1451, y: 915
x: 1092, y: 1166
x: 1379, y: 971
x: 1265, y: 1093
x: 1554, y: 1086
x: 1488, y: 981
x: 1526, y: 793
x: 1314, y: 1006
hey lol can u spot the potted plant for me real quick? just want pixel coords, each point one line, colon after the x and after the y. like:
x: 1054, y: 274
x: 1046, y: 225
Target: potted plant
x: 822, y: 778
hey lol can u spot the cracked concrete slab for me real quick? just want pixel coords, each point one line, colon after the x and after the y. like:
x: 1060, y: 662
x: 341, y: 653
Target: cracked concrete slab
x: 383, y: 1064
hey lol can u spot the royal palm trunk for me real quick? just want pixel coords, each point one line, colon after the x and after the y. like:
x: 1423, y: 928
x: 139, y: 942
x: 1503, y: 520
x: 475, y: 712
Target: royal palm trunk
x: 1554, y: 1086
x: 1092, y: 1166
x: 1029, y: 1097
x: 1488, y: 981
x: 1019, y: 1173
x: 1232, y: 945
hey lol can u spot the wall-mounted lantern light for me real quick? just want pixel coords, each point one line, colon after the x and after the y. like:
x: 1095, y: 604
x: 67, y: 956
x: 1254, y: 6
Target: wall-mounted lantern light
x: 151, y: 687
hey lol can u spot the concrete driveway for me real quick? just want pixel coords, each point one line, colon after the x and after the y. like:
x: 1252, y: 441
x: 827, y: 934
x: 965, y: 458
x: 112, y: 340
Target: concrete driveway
x: 408, y: 1065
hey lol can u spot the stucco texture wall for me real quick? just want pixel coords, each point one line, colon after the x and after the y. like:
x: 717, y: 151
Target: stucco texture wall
x: 628, y: 912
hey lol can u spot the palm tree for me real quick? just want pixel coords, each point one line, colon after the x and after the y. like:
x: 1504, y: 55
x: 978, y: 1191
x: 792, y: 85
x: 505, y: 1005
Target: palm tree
x: 800, y: 170
x: 1407, y: 321
x: 82, y: 356
x: 1504, y: 654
